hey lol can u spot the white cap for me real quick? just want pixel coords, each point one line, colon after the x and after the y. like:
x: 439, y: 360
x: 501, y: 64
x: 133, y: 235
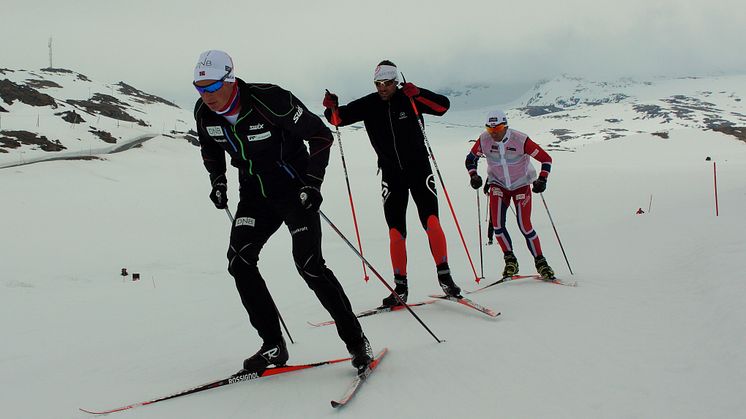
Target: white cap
x: 385, y: 72
x: 496, y: 118
x: 213, y: 65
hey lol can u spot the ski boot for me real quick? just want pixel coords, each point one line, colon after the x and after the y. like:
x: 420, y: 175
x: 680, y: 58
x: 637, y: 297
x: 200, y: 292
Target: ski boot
x: 446, y: 281
x: 274, y: 353
x: 543, y: 268
x: 362, y: 355
x: 401, y: 289
x: 511, y: 265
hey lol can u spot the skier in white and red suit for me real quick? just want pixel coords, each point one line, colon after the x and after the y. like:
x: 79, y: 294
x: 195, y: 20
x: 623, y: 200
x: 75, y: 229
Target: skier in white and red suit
x: 510, y: 176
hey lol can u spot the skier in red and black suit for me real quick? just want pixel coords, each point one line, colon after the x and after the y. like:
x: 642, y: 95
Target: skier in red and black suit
x: 398, y: 141
x: 510, y: 176
x: 263, y: 128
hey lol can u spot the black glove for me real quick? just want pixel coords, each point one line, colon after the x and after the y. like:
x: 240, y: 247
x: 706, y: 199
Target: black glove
x: 486, y: 188
x: 540, y: 184
x: 476, y: 181
x: 310, y: 198
x: 219, y: 194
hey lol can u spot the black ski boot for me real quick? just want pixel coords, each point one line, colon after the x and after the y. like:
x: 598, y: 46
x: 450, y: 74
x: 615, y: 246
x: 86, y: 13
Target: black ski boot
x: 401, y: 289
x: 362, y: 355
x: 272, y: 353
x: 511, y: 265
x: 446, y: 281
x: 543, y: 268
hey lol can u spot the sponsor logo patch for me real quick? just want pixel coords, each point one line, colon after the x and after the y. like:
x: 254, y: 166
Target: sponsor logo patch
x: 215, y: 131
x: 298, y: 230
x: 297, y: 115
x: 245, y: 221
x: 257, y: 126
x: 259, y: 137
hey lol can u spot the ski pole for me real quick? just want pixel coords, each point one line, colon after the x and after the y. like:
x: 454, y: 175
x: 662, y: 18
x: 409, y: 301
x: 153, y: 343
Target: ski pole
x: 372, y: 269
x: 555, y: 233
x: 442, y: 184
x: 479, y: 227
x: 230, y: 216
x: 336, y: 121
x: 715, y: 177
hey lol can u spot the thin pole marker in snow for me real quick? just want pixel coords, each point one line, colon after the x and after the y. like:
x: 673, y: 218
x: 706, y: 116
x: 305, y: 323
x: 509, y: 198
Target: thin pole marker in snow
x: 715, y: 177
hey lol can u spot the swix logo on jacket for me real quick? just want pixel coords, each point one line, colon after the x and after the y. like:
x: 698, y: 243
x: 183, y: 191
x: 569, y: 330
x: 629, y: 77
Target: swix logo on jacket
x: 257, y: 126
x: 297, y: 115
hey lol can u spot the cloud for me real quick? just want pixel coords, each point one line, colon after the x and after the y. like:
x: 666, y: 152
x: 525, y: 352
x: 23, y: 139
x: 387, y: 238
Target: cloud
x: 309, y: 46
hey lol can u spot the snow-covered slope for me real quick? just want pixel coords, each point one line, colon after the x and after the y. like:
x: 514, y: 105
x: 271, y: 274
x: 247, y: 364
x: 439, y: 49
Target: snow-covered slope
x: 568, y: 112
x: 56, y: 113
x: 654, y: 329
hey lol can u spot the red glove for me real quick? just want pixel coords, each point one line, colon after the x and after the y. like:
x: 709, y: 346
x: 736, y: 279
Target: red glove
x: 331, y: 101
x: 410, y: 90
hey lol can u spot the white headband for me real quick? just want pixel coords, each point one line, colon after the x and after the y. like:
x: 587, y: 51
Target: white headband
x: 385, y: 72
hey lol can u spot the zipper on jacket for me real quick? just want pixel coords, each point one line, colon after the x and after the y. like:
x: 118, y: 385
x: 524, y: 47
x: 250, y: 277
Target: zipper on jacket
x: 504, y: 164
x: 393, y: 135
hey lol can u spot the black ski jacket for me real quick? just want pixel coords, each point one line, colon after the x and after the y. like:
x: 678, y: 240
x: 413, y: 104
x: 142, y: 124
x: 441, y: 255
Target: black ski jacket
x: 392, y: 125
x: 266, y: 144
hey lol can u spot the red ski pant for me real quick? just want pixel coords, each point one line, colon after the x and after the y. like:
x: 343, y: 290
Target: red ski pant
x: 499, y: 206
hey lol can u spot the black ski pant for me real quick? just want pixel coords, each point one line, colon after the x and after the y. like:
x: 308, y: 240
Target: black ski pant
x: 396, y: 185
x: 256, y: 220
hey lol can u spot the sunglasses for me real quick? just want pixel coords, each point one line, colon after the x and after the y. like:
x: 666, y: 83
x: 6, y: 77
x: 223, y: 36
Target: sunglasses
x: 384, y: 83
x: 495, y: 128
x: 212, y: 87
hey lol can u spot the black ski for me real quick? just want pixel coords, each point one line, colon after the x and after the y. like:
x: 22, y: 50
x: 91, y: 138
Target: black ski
x: 359, y: 380
x: 374, y: 311
x: 468, y: 303
x: 235, y: 378
x: 538, y: 277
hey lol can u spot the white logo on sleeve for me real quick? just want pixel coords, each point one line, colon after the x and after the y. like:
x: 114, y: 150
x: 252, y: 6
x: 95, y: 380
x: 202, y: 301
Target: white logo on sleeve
x: 245, y: 221
x: 215, y: 131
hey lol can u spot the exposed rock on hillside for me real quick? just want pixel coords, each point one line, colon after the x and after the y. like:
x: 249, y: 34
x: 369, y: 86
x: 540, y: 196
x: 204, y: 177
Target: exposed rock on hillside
x: 141, y: 97
x: 14, y: 139
x: 107, y: 105
x: 11, y: 92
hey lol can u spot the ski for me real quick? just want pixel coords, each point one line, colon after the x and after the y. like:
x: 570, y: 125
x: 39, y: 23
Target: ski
x: 538, y: 277
x: 468, y: 303
x: 501, y: 280
x: 359, y: 380
x: 235, y: 378
x: 373, y: 311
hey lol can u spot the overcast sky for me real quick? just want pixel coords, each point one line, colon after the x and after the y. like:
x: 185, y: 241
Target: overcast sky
x: 307, y: 46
